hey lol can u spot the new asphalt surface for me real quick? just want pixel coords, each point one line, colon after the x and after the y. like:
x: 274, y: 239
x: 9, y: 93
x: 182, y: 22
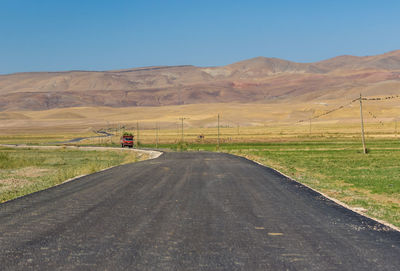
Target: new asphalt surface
x: 189, y: 211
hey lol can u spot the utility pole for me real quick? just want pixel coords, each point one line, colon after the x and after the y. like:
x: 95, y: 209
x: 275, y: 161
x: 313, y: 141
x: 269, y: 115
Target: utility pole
x: 182, y: 118
x: 310, y: 127
x: 218, y: 134
x: 362, y: 126
x: 137, y: 133
x: 178, y: 130
x: 238, y: 132
x: 182, y: 130
x: 395, y: 128
x: 156, y: 135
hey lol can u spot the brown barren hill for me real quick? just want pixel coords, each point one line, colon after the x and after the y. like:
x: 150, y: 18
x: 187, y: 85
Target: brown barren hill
x: 257, y: 80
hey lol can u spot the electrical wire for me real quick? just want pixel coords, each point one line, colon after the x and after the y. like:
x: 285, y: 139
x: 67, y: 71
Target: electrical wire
x: 343, y: 106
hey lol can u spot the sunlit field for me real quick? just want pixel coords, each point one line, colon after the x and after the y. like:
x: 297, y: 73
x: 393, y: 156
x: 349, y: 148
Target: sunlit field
x: 324, y: 153
x: 27, y: 170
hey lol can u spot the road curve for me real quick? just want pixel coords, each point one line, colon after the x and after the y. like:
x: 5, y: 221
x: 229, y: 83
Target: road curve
x: 189, y: 211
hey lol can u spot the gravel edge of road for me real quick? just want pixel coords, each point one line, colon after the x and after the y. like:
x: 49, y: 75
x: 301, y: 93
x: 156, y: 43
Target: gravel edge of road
x: 393, y: 227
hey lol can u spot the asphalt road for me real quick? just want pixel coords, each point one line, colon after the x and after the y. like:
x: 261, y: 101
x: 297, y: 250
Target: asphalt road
x: 189, y: 211
x: 104, y: 134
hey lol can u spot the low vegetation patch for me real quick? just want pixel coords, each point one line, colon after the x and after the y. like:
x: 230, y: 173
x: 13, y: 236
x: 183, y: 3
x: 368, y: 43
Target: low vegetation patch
x: 26, y: 170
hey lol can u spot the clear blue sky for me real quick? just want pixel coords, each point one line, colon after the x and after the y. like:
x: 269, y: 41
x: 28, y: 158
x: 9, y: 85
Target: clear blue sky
x: 52, y: 35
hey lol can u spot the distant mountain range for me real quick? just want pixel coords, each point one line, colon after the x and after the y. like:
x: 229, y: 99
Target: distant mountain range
x: 257, y: 80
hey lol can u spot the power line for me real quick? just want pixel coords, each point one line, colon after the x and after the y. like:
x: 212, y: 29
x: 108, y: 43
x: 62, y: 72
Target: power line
x: 329, y: 111
x: 375, y: 117
x: 344, y: 105
x: 382, y: 98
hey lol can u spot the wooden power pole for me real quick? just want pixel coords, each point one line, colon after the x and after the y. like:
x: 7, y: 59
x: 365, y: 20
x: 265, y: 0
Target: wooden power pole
x: 182, y: 118
x: 218, y: 135
x: 137, y: 133
x: 156, y: 134
x: 362, y: 126
x: 182, y: 129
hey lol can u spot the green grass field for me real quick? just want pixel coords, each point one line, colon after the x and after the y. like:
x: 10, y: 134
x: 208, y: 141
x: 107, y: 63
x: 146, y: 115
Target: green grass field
x: 333, y: 165
x: 337, y: 168
x: 27, y: 170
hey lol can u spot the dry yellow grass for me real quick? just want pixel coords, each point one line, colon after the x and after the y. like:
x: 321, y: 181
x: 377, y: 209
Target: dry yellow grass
x: 239, y: 122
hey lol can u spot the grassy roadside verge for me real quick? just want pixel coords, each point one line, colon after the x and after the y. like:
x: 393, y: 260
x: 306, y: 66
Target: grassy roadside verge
x: 27, y: 170
x: 370, y: 183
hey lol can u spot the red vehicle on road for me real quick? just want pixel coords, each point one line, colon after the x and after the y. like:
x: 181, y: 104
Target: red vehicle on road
x: 127, y: 139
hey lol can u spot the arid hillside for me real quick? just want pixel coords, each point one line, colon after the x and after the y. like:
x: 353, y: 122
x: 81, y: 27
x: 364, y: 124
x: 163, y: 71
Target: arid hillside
x: 257, y: 80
